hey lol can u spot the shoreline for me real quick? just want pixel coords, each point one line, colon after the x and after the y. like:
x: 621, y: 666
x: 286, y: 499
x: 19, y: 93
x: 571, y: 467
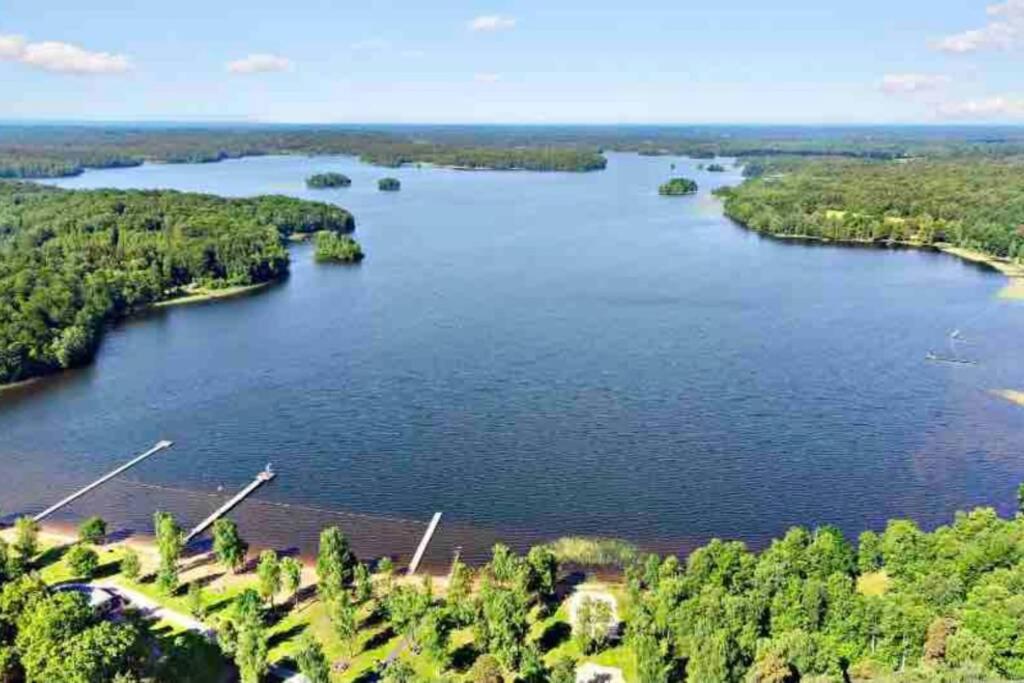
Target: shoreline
x: 1014, y: 273
x: 201, y: 294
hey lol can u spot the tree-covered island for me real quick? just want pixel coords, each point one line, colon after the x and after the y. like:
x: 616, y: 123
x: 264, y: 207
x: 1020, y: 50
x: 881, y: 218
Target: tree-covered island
x: 678, y: 187
x: 319, y: 181
x: 73, y: 261
x: 715, y: 168
x: 333, y: 247
x: 389, y: 185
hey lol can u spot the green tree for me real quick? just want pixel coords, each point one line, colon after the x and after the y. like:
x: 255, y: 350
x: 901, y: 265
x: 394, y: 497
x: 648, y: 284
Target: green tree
x: 26, y: 538
x: 363, y: 583
x: 195, y: 600
x: 92, y: 530
x: 291, y: 576
x: 335, y: 562
x: 131, y: 567
x: 311, y: 660
x: 650, y: 658
x: 564, y: 671
x: 344, y: 619
x: 82, y: 560
x: 251, y: 653
x: 399, y: 671
x: 869, y: 552
x: 269, y: 572
x: 170, y: 542
x: 386, y: 567
x: 433, y: 635
x: 486, y: 669
x: 543, y: 570
x: 228, y: 545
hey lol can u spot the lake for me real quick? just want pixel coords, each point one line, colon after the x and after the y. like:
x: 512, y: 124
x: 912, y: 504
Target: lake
x: 535, y: 355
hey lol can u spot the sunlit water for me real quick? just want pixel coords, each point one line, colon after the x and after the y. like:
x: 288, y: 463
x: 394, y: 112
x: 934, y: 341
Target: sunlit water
x: 543, y: 354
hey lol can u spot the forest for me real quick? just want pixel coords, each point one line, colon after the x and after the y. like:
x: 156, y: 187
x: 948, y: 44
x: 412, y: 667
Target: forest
x: 73, y: 261
x: 28, y: 151
x: 973, y: 203
x: 52, y: 151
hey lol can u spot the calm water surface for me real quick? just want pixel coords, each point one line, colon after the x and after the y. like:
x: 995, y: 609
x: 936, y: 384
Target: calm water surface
x: 545, y: 354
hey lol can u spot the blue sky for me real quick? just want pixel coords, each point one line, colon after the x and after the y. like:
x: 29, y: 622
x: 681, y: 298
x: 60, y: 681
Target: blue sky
x: 553, y: 61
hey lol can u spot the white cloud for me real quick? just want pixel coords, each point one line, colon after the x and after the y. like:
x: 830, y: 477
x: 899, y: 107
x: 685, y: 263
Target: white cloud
x: 60, y: 57
x: 11, y: 47
x: 908, y: 84
x: 487, y: 78
x: 1004, y: 30
x: 259, y: 64
x: 990, y: 108
x: 491, y: 22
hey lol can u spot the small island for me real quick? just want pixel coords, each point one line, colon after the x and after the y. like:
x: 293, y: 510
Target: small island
x: 389, y: 185
x: 320, y: 181
x: 677, y: 187
x: 715, y: 168
x: 334, y: 247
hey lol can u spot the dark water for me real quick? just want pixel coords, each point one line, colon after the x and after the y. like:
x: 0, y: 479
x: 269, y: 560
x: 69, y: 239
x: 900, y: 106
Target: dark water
x: 543, y: 354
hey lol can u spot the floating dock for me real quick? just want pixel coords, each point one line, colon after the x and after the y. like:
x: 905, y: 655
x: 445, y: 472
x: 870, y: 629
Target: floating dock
x: 414, y: 565
x: 261, y: 479
x: 102, y: 480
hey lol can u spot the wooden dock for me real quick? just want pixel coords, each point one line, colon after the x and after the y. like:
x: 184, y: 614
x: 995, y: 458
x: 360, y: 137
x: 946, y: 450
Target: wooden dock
x: 261, y: 479
x: 418, y: 557
x: 102, y: 480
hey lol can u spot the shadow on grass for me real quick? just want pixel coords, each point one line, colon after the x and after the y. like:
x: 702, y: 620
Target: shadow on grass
x: 554, y: 635
x: 50, y: 556
x: 368, y: 676
x: 463, y: 657
x: 381, y: 637
x: 281, y: 637
x: 204, y: 581
x: 106, y: 570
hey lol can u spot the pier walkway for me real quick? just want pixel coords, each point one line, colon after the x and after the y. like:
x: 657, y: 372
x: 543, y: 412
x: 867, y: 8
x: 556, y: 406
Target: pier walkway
x: 102, y: 480
x: 414, y: 565
x: 261, y: 479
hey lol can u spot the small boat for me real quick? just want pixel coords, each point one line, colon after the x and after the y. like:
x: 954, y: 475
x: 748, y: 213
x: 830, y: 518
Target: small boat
x: 935, y: 358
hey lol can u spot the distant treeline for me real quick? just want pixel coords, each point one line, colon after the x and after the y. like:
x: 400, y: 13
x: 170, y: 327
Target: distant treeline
x: 50, y: 151
x: 45, y: 151
x: 71, y: 261
x: 972, y: 203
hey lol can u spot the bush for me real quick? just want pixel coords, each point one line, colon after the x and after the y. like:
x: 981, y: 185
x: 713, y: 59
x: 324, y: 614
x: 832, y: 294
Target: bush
x: 83, y: 561
x: 92, y: 530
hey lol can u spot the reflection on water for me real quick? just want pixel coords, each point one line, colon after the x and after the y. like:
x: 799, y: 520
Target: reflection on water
x: 538, y: 355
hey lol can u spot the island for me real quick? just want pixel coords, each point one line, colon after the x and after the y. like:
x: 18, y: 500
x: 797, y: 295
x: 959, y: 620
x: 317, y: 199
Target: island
x: 678, y: 187
x: 141, y: 248
x: 333, y: 247
x: 715, y: 168
x: 389, y: 185
x: 321, y: 181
